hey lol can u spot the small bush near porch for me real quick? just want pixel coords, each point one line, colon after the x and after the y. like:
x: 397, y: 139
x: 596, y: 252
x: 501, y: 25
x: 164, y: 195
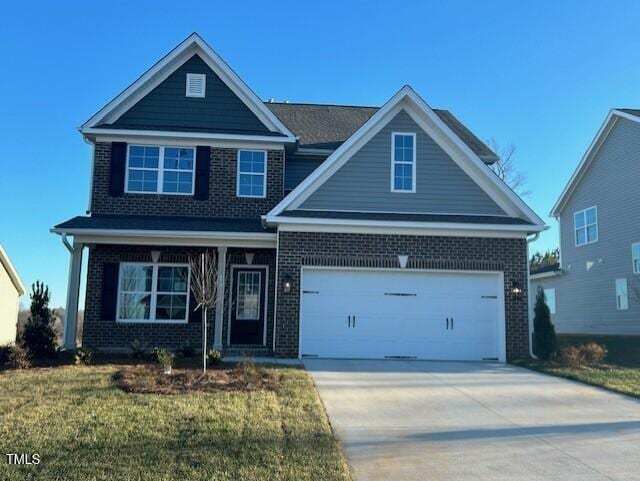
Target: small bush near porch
x: 86, y: 428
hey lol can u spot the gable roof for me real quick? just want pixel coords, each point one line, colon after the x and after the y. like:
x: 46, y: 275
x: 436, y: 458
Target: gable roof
x: 320, y: 126
x: 11, y: 272
x: 193, y: 44
x: 594, y: 147
x: 408, y: 100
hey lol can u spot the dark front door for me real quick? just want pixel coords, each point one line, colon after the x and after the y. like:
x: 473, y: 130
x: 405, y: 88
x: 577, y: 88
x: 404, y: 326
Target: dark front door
x: 248, y: 305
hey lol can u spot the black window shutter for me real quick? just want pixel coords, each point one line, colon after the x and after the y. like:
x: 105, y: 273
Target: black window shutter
x: 109, y: 301
x: 194, y: 316
x: 203, y: 156
x: 118, y: 165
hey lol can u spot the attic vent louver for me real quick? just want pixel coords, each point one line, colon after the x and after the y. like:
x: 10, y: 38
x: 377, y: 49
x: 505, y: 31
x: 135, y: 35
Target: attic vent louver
x: 196, y: 84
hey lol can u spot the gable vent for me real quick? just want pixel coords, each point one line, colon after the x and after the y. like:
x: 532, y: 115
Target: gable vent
x: 196, y: 84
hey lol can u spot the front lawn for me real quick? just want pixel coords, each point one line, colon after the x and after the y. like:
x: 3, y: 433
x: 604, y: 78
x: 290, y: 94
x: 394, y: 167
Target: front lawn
x: 620, y: 371
x: 85, y: 428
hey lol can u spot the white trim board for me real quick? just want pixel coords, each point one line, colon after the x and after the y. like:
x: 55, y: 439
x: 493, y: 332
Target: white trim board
x: 166, y: 134
x: 408, y: 100
x: 601, y: 135
x: 193, y: 44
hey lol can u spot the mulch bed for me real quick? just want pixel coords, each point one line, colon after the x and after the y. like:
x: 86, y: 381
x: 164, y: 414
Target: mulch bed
x: 151, y: 379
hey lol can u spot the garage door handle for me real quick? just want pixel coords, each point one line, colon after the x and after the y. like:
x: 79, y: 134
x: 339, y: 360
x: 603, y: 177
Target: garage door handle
x: 452, y: 323
x: 354, y: 321
x: 349, y: 322
x: 447, y: 323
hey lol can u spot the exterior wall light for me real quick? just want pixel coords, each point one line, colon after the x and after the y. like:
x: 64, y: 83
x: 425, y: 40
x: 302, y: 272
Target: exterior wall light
x: 286, y: 284
x: 516, y: 289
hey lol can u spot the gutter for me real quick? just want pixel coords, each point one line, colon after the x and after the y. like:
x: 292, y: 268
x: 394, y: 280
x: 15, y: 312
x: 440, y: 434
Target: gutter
x: 530, y: 240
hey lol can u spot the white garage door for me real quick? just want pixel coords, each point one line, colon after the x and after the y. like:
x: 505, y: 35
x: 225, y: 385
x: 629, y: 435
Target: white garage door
x: 386, y: 314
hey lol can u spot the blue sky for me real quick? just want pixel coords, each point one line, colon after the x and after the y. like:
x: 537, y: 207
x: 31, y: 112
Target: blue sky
x: 539, y: 75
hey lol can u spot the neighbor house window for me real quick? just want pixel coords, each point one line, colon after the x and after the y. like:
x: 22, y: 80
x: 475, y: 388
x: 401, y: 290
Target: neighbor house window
x: 153, y: 292
x: 252, y: 173
x: 622, y: 298
x: 158, y: 169
x: 550, y: 295
x: 635, y: 256
x: 586, y: 226
x: 403, y: 162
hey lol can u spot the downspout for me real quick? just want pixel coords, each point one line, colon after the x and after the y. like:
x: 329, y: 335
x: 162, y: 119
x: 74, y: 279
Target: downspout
x: 67, y: 244
x: 535, y: 237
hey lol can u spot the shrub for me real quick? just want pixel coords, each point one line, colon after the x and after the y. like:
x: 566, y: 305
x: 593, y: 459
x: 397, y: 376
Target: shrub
x: 83, y: 356
x: 19, y: 357
x: 5, y: 352
x: 187, y: 350
x: 38, y: 335
x: 584, y: 355
x: 544, y: 334
x: 249, y: 372
x: 137, y: 349
x: 165, y: 359
x: 214, y: 357
x: 571, y: 356
x: 594, y: 353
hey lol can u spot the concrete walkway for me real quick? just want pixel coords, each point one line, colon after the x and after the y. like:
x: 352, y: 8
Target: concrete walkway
x: 418, y: 420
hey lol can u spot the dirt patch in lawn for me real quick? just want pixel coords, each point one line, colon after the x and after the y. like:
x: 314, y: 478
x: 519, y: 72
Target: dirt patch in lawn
x: 151, y: 379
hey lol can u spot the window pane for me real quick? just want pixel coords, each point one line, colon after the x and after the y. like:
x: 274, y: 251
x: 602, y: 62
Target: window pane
x: 636, y: 266
x: 251, y: 185
x: 591, y: 216
x: 134, y: 306
x: 136, y: 278
x: 142, y: 180
x: 592, y: 233
x: 581, y: 236
x: 403, y: 177
x: 171, y: 307
x: 172, y: 278
x: 248, y: 295
x: 178, y: 158
x: 579, y: 219
x: 252, y: 162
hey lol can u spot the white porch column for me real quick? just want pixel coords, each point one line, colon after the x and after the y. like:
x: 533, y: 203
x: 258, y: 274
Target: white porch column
x: 73, y: 294
x: 222, y: 264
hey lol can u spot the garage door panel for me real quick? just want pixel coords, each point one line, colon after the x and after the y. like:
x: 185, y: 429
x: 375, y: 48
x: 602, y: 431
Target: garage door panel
x: 378, y: 314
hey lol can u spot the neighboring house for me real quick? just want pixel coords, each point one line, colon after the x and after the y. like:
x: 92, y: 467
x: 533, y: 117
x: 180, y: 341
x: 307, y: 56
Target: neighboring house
x: 596, y: 287
x: 346, y: 231
x: 11, y: 288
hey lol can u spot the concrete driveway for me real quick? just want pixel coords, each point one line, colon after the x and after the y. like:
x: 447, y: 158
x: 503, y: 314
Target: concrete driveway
x: 418, y: 420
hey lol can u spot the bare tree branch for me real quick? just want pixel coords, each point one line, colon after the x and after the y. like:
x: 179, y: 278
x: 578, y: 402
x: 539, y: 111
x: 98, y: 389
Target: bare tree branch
x: 505, y: 168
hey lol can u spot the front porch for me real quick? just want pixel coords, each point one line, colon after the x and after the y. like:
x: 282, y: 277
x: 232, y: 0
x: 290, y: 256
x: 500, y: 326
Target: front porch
x: 138, y: 290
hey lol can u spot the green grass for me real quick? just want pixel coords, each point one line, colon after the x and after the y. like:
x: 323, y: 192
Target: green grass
x: 620, y: 371
x: 85, y: 428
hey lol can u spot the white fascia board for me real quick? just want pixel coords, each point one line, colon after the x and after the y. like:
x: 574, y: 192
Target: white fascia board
x: 544, y: 275
x: 392, y: 225
x: 182, y: 142
x: 167, y: 65
x: 585, y: 162
x: 161, y: 134
x: 428, y: 120
x: 11, y: 272
x: 166, y: 233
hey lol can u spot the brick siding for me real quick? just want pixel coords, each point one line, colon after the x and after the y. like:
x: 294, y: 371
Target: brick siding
x: 109, y: 335
x: 222, y: 201
x: 452, y: 253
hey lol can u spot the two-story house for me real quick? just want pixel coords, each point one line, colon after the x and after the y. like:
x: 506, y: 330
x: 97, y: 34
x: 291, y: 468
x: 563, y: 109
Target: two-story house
x: 595, y: 289
x: 345, y: 231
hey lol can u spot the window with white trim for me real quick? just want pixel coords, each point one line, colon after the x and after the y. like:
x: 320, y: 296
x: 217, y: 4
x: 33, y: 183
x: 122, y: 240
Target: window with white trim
x: 252, y: 173
x: 153, y: 292
x: 635, y: 257
x: 160, y: 169
x: 622, y: 296
x: 196, y: 85
x: 403, y: 162
x: 550, y: 296
x: 586, y: 226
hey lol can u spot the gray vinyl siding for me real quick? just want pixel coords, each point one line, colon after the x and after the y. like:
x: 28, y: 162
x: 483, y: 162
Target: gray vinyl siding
x: 298, y: 167
x: 585, y: 292
x: 363, y: 183
x: 167, y: 106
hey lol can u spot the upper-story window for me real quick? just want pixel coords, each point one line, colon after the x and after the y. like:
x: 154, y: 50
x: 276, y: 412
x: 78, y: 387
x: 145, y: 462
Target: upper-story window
x: 586, y: 226
x: 159, y: 169
x: 252, y: 173
x: 403, y: 162
x: 635, y: 257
